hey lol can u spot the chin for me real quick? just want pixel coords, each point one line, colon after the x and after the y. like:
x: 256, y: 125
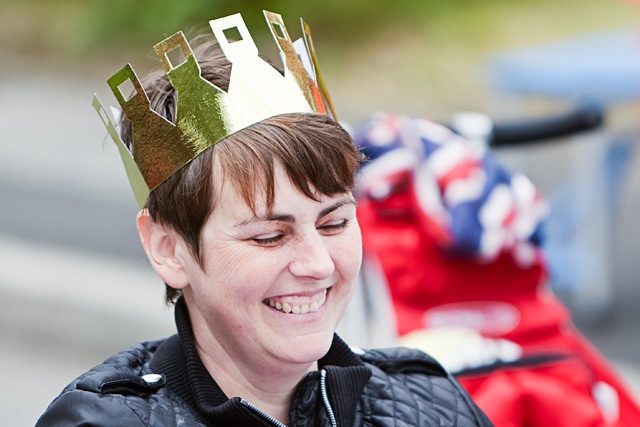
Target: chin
x: 308, y: 348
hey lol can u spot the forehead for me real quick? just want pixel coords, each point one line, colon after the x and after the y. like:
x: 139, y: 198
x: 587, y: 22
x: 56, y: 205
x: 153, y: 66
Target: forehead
x: 318, y: 160
x: 256, y: 191
x: 290, y: 205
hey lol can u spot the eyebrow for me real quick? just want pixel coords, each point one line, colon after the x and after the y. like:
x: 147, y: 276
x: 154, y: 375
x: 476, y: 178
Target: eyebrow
x: 290, y: 218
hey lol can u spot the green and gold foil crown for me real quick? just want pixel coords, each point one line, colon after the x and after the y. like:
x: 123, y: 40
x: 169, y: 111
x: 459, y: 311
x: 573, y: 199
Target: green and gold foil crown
x: 206, y: 114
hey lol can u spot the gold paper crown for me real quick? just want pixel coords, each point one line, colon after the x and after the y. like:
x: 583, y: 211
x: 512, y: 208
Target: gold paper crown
x: 205, y: 113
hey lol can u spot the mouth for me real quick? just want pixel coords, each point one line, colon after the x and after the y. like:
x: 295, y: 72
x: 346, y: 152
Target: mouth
x: 298, y: 304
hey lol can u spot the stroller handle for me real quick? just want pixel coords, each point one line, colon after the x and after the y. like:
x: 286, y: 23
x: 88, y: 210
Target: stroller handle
x: 583, y: 118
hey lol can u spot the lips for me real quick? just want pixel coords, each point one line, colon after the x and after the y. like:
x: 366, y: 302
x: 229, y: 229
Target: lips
x: 298, y: 304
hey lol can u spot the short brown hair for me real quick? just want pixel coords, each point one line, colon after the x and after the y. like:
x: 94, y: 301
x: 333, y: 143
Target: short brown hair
x: 317, y: 154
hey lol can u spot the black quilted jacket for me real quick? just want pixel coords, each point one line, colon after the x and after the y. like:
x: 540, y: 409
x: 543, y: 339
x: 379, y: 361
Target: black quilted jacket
x: 164, y: 383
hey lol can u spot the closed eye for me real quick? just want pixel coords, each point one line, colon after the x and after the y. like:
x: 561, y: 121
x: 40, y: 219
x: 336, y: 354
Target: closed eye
x: 268, y: 240
x: 334, y: 226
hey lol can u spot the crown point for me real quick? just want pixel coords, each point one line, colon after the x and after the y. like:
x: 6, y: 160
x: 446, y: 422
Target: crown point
x: 169, y: 44
x: 234, y: 50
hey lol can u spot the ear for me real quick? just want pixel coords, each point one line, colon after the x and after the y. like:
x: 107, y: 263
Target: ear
x: 162, y: 246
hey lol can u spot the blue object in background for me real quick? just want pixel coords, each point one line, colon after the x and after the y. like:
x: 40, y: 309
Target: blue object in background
x: 603, y: 67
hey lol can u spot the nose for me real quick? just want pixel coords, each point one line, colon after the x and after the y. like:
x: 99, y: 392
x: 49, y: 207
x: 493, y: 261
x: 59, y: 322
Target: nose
x: 311, y: 257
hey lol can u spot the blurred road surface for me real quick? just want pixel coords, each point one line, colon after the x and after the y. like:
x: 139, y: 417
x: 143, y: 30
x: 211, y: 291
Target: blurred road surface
x: 76, y: 285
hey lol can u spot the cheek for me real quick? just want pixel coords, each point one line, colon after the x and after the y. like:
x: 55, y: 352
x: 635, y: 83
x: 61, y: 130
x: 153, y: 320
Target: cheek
x: 228, y: 258
x: 242, y: 271
x: 348, y: 255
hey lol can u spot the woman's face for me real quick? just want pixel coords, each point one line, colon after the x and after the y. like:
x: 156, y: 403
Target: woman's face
x: 274, y: 286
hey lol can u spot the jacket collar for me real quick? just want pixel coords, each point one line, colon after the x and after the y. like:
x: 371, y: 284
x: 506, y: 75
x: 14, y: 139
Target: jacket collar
x: 187, y: 376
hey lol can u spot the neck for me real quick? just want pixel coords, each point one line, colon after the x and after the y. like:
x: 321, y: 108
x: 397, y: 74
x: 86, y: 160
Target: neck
x: 267, y: 384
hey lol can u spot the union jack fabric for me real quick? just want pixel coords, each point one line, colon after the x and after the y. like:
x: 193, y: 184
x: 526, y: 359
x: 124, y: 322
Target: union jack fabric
x: 481, y: 208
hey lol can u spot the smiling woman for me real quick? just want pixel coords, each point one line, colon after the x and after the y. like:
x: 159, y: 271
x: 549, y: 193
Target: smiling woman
x: 245, y: 184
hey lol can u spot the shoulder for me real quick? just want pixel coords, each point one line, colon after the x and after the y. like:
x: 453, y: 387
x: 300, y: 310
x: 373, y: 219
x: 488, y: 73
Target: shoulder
x: 401, y: 359
x: 120, y: 391
x: 411, y: 386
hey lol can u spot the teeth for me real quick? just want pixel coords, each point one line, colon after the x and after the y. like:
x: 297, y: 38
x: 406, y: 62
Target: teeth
x: 298, y: 309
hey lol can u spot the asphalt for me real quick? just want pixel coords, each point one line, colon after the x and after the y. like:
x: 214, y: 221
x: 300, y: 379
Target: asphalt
x: 76, y: 285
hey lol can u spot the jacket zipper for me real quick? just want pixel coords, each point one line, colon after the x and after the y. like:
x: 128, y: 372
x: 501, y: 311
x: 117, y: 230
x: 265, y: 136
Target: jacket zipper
x: 325, y: 397
x: 260, y: 412
x: 325, y: 401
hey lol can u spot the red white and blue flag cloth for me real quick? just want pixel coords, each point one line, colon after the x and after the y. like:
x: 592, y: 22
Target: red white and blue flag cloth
x: 482, y: 208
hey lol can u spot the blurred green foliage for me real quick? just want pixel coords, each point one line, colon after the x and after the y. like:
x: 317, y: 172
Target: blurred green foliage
x: 81, y: 26
x: 335, y: 18
x: 108, y: 20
